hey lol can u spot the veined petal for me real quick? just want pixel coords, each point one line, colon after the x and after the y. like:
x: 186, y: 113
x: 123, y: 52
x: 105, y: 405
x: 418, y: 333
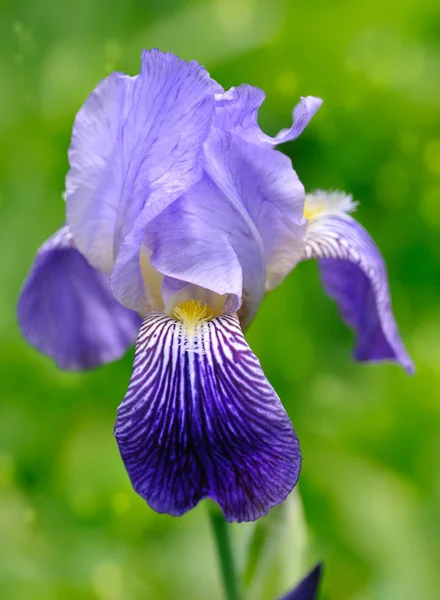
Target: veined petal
x: 354, y: 274
x: 267, y: 187
x: 308, y: 588
x: 135, y: 148
x: 66, y: 309
x: 237, y: 112
x: 207, y: 239
x: 201, y: 420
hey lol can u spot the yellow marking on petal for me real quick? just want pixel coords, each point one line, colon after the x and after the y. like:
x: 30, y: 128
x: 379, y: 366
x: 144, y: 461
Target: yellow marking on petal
x: 193, y: 315
x: 192, y: 312
x: 313, y: 209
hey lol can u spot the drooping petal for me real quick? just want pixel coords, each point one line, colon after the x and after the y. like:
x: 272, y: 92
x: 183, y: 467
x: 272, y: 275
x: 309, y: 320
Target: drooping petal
x: 354, y: 274
x: 66, y: 309
x: 201, y: 420
x: 308, y: 588
x: 136, y: 147
x: 237, y: 112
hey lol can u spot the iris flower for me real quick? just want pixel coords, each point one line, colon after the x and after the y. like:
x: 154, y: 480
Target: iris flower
x: 181, y: 215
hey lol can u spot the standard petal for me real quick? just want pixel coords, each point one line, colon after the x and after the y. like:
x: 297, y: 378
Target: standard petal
x: 135, y: 147
x: 66, y: 309
x: 206, y: 238
x: 201, y: 420
x: 269, y: 190
x: 354, y: 274
x: 308, y: 588
x: 237, y: 112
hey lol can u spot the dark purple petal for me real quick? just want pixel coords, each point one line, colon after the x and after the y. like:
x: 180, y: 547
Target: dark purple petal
x: 136, y: 146
x: 354, y: 274
x: 237, y: 112
x: 308, y: 588
x: 66, y: 309
x: 201, y: 420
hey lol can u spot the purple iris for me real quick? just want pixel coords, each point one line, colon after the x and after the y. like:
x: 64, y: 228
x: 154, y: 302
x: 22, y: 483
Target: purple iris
x: 180, y: 209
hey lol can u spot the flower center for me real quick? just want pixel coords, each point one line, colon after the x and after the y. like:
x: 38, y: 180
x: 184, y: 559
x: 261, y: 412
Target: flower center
x: 193, y: 315
x: 192, y: 312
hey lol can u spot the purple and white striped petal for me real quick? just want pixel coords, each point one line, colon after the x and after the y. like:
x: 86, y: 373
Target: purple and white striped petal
x: 237, y: 112
x: 201, y: 420
x: 354, y: 274
x: 66, y: 309
x: 308, y: 588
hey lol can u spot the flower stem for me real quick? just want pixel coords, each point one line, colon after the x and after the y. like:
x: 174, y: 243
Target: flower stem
x: 225, y: 554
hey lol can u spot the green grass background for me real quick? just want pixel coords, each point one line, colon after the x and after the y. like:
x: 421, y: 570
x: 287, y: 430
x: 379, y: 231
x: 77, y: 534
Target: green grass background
x: 70, y: 526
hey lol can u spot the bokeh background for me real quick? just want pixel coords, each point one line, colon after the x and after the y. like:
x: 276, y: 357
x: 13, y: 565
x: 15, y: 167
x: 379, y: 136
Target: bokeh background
x: 70, y: 526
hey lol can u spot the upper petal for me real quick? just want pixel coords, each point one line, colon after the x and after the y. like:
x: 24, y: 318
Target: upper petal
x: 136, y: 145
x: 66, y: 309
x: 354, y: 274
x: 237, y: 112
x: 201, y: 420
x: 207, y: 238
x: 268, y: 188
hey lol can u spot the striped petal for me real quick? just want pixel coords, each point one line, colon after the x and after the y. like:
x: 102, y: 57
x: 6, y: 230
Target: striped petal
x: 308, y: 588
x: 201, y: 420
x: 66, y: 309
x: 354, y: 274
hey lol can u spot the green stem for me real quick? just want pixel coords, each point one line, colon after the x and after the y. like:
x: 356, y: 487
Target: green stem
x: 225, y: 554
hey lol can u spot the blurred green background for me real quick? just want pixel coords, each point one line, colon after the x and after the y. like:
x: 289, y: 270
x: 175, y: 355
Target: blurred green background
x: 70, y: 526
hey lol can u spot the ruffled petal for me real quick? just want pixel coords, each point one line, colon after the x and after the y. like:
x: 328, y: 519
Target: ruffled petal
x: 354, y: 274
x: 270, y: 192
x: 201, y: 420
x: 66, y: 309
x: 308, y: 588
x: 237, y: 112
x: 136, y: 147
x: 238, y: 231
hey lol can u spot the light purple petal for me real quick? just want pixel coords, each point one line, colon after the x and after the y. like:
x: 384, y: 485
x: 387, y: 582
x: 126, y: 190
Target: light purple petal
x: 238, y: 231
x: 302, y: 115
x: 237, y: 112
x: 95, y: 180
x: 136, y: 147
x: 206, y: 238
x: 204, y: 422
x: 354, y: 274
x: 269, y: 190
x: 66, y: 309
x: 308, y: 588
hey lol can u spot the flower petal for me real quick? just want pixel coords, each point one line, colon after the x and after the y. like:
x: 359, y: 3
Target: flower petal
x: 135, y: 147
x: 269, y: 190
x: 201, y: 420
x: 206, y: 238
x: 66, y: 309
x: 237, y: 112
x: 354, y: 274
x: 308, y: 588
